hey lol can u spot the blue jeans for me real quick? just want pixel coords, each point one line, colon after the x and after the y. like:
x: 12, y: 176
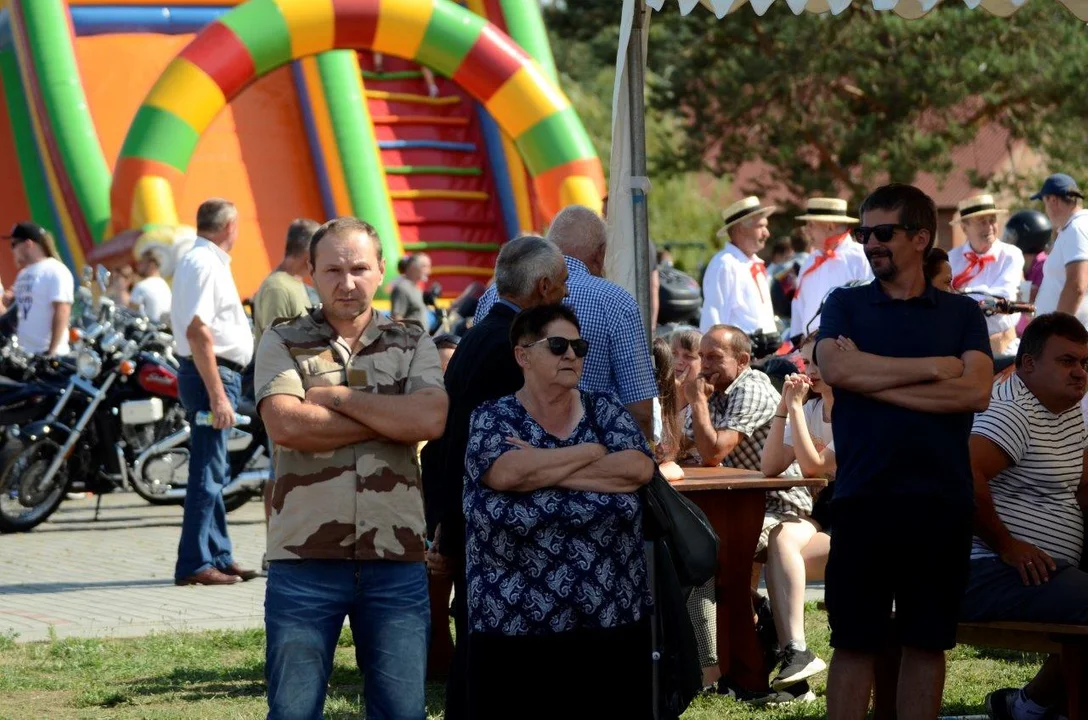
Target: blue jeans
x: 305, y: 604
x: 204, y: 541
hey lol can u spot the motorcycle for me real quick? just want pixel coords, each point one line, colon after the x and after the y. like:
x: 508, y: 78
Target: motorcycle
x: 118, y: 423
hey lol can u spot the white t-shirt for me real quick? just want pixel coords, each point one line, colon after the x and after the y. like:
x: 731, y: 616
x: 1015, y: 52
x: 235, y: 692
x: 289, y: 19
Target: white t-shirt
x: 1036, y: 497
x: 37, y: 287
x: 204, y: 288
x: 818, y: 428
x: 154, y: 293
x: 736, y: 291
x: 1070, y: 246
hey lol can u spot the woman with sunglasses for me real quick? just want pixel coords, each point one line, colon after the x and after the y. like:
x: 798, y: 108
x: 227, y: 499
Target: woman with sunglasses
x: 556, y: 572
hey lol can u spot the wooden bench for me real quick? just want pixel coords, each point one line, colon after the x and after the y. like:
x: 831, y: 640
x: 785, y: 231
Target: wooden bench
x: 1069, y: 641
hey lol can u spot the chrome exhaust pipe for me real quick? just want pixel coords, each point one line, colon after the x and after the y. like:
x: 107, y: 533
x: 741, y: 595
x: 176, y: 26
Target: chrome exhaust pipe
x: 167, y: 443
x: 252, y: 481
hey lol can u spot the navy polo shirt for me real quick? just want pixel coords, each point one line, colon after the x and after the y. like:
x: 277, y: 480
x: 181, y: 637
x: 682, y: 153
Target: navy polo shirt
x: 884, y: 450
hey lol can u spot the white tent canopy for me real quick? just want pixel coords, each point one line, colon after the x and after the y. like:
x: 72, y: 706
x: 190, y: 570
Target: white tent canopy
x: 628, y: 260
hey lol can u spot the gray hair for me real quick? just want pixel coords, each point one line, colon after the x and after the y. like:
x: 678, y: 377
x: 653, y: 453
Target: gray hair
x: 523, y: 262
x: 214, y: 215
x: 299, y: 235
x: 578, y: 232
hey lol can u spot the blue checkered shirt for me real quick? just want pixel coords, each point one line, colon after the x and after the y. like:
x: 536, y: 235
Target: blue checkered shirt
x: 619, y: 358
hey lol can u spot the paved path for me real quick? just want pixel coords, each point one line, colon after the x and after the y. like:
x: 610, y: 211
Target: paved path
x: 115, y: 576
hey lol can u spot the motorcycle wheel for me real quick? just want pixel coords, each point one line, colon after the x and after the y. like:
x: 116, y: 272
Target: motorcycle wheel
x: 23, y: 508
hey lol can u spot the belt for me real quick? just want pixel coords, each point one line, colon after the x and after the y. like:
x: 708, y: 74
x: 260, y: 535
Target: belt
x: 228, y: 364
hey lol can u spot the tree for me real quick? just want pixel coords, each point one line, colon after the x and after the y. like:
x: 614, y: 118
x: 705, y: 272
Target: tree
x: 838, y: 104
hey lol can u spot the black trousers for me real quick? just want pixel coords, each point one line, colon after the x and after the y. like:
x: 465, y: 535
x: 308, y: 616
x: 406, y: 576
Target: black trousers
x: 590, y: 674
x: 457, y: 682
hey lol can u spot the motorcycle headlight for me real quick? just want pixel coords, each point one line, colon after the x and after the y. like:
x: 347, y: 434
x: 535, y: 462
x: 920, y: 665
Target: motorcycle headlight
x: 88, y: 364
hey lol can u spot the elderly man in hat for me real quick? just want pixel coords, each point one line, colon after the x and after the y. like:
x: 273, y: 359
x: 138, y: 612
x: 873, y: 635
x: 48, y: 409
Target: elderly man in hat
x: 836, y: 260
x: 1065, y: 273
x: 736, y: 289
x: 985, y: 266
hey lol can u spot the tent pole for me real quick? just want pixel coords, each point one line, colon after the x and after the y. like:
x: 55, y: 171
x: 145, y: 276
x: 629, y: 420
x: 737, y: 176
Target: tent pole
x: 639, y: 184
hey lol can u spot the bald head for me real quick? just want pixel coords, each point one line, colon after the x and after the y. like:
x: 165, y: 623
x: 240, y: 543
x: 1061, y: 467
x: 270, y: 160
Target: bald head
x: 581, y: 234
x: 724, y: 353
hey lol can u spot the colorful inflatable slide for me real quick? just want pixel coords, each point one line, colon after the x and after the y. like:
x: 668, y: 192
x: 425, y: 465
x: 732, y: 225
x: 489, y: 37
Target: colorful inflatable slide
x: 123, y: 115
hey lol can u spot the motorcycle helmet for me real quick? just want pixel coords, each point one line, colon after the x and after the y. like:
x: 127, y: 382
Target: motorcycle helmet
x: 1029, y: 230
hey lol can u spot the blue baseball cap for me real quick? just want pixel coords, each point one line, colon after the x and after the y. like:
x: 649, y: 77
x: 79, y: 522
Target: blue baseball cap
x: 1058, y: 184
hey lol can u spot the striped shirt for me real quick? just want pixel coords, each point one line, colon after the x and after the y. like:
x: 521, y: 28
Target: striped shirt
x: 619, y: 356
x: 1035, y: 497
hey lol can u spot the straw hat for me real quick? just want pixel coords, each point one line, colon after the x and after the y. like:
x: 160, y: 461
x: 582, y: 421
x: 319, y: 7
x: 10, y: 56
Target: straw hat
x: 741, y: 210
x: 829, y: 210
x: 976, y: 207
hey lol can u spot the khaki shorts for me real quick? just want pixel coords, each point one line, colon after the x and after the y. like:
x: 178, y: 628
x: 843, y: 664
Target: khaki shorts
x: 772, y: 520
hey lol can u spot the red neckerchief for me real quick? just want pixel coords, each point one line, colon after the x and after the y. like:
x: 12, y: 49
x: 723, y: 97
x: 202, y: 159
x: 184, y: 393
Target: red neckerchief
x: 830, y: 245
x: 975, y: 265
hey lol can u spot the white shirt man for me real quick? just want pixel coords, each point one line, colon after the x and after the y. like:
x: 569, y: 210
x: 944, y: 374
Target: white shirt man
x: 153, y: 295
x: 836, y: 260
x: 204, y: 288
x: 736, y: 288
x: 1068, y: 258
x: 44, y: 292
x: 984, y: 265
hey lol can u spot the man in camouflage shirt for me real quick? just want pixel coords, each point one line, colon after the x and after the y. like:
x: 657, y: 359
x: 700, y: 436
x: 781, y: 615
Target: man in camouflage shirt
x: 346, y: 393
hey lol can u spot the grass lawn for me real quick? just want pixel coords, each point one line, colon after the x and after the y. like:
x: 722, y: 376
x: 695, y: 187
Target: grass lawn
x: 219, y: 675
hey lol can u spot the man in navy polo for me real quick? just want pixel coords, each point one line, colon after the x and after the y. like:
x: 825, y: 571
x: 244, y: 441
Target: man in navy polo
x: 909, y: 366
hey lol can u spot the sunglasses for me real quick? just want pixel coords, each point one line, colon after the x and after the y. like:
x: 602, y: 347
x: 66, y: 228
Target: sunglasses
x: 558, y: 346
x: 882, y: 233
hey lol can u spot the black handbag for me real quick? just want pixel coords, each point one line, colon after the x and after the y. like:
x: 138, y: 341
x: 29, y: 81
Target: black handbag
x: 692, y: 543
x: 668, y: 515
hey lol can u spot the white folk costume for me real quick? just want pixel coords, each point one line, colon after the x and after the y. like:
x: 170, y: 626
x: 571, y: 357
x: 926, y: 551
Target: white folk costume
x: 839, y: 262
x: 736, y: 288
x: 999, y: 271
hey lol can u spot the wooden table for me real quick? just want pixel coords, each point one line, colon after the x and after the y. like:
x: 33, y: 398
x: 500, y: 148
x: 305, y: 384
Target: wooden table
x: 733, y: 501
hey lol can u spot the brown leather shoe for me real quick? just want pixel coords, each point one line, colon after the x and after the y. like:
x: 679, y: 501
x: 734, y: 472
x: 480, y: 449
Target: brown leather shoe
x: 236, y: 570
x: 209, y: 576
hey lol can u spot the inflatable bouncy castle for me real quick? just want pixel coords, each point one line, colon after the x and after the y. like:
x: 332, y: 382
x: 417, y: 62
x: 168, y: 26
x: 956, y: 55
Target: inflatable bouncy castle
x: 124, y: 115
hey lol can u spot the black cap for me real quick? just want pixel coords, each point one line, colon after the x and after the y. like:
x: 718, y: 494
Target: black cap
x: 28, y: 231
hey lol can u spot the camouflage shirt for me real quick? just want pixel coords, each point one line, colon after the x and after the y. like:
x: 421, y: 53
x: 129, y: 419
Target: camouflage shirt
x: 362, y: 501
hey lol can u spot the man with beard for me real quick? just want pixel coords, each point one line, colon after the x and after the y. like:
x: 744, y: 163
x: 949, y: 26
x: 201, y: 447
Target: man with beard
x: 909, y: 366
x: 346, y: 394
x: 985, y: 265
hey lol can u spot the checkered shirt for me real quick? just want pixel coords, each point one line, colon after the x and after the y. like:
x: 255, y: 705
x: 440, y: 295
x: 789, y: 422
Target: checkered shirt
x: 619, y: 357
x: 747, y: 406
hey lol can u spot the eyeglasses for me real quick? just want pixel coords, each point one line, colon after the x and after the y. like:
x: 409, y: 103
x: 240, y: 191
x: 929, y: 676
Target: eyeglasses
x: 882, y: 233
x: 558, y: 346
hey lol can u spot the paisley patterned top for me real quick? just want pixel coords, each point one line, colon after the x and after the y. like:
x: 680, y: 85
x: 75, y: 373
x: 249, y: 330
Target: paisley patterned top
x: 551, y: 560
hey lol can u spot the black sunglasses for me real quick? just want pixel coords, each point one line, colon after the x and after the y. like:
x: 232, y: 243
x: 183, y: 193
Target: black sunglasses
x: 559, y: 345
x: 882, y: 233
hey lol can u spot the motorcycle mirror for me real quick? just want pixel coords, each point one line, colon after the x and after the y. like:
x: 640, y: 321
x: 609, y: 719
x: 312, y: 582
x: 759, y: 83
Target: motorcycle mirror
x: 103, y: 278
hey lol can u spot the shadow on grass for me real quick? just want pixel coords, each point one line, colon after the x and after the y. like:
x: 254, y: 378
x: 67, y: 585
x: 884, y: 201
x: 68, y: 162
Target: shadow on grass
x: 246, y: 679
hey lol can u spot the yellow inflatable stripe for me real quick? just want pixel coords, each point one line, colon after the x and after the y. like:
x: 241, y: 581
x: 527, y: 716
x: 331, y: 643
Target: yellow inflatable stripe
x: 401, y: 27
x: 525, y: 99
x: 438, y: 195
x: 522, y: 199
x: 461, y: 270
x: 580, y: 190
x: 311, y: 24
x: 188, y: 92
x: 153, y: 202
x: 410, y: 98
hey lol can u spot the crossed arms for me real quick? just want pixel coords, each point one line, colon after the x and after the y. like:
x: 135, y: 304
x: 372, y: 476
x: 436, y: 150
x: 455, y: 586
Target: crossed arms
x: 929, y: 384
x: 334, y: 417
x: 587, y: 467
